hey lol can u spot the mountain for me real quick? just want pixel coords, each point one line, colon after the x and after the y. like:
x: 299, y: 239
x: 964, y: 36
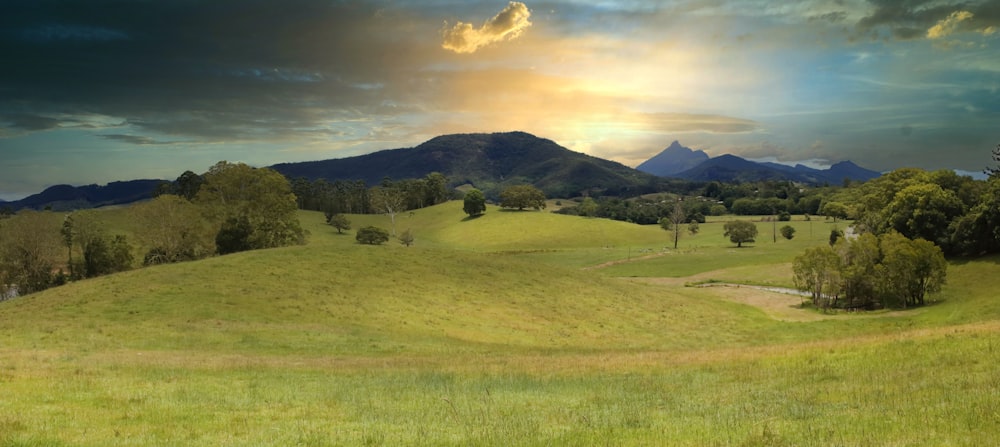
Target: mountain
x: 66, y: 197
x: 730, y: 168
x: 672, y: 160
x: 847, y: 169
x: 488, y: 162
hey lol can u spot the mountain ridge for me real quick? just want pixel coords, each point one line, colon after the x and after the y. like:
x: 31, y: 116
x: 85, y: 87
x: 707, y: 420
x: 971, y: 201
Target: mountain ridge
x: 488, y: 162
x: 732, y: 168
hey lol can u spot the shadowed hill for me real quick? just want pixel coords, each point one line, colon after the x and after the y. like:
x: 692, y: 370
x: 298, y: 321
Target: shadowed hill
x: 488, y: 162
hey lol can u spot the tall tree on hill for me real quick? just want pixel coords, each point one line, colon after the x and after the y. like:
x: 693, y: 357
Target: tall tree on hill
x: 521, y: 197
x: 388, y: 200
x: 674, y: 220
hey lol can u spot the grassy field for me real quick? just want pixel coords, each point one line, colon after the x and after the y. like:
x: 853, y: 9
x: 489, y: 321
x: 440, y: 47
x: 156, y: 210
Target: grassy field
x: 514, y: 328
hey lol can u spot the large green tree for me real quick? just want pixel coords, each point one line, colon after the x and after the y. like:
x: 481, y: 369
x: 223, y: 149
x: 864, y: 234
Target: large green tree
x: 475, y: 202
x: 924, y: 211
x: 521, y: 197
x: 910, y: 269
x: 858, y: 260
x: 740, y: 231
x: 232, y: 192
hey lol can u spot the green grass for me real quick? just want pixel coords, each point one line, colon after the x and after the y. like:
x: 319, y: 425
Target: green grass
x: 514, y: 328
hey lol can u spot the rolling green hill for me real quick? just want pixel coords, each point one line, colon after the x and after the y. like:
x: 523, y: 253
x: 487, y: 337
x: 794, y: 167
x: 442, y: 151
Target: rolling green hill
x: 515, y: 328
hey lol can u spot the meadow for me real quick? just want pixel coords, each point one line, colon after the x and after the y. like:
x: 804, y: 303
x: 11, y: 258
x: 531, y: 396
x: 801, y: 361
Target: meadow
x: 513, y: 328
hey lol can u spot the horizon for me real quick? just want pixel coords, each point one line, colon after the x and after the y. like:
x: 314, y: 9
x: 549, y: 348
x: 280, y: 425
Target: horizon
x: 152, y: 90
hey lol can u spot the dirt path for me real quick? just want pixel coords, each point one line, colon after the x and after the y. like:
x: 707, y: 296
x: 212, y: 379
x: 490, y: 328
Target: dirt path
x: 778, y: 303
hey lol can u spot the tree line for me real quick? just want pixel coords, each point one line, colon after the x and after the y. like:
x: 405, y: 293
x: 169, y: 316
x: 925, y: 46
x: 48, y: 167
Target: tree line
x: 232, y: 207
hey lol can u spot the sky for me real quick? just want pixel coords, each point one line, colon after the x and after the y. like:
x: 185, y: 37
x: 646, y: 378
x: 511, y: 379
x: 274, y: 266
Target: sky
x: 93, y: 91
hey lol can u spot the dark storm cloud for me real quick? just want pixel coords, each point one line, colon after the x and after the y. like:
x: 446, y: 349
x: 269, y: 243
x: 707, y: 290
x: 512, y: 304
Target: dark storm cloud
x: 219, y: 70
x: 23, y: 121
x: 910, y: 19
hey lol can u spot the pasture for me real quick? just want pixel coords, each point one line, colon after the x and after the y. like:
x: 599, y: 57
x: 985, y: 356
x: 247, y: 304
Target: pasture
x: 514, y: 328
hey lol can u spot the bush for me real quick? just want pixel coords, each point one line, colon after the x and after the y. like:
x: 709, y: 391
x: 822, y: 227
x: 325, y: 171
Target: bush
x: 784, y: 216
x: 372, y: 235
x: 788, y: 232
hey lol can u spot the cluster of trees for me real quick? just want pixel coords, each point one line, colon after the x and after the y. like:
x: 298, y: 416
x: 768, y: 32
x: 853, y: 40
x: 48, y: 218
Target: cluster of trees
x: 644, y: 210
x: 232, y: 207
x: 957, y: 213
x: 355, y: 197
x: 871, y: 271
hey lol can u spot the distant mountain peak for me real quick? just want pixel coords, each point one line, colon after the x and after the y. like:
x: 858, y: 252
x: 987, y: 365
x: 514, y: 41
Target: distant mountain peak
x: 675, y: 158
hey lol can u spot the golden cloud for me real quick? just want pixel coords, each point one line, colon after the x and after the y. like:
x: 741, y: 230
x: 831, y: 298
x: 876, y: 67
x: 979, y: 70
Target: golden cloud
x: 948, y: 25
x: 508, y: 24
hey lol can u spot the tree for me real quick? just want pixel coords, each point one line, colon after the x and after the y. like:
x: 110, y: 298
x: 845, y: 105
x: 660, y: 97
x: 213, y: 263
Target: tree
x: 836, y: 210
x: 388, y: 200
x: 978, y: 232
x: 693, y: 228
x: 103, y: 256
x: 406, y: 238
x: 817, y: 271
x: 338, y: 221
x: 788, y: 232
x: 173, y: 230
x: 67, y: 235
x: 588, y: 207
x: 991, y: 171
x: 475, y: 203
x: 673, y: 222
x: 29, y: 245
x: 740, y: 231
x: 910, y: 269
x: 234, y: 236
x: 521, y: 197
x: 372, y: 235
x: 924, y: 211
x: 835, y: 235
x: 436, y: 188
x: 261, y: 195
x: 859, y: 258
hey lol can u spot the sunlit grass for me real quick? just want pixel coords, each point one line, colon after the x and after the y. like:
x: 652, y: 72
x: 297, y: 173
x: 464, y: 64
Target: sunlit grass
x: 513, y: 328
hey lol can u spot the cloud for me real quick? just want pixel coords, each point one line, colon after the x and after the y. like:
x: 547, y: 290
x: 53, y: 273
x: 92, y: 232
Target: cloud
x: 507, y: 25
x: 948, y: 25
x: 132, y: 139
x: 689, y: 122
x: 913, y: 19
x: 29, y: 122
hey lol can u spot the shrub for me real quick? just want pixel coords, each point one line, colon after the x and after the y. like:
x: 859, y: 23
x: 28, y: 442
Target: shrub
x: 372, y: 235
